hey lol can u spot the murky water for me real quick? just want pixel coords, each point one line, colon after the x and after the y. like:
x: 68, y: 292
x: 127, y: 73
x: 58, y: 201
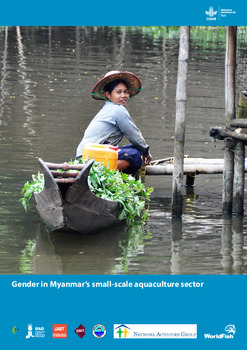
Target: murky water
x: 46, y: 77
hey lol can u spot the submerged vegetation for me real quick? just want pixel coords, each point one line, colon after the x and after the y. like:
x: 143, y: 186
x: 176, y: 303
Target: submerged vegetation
x: 107, y: 184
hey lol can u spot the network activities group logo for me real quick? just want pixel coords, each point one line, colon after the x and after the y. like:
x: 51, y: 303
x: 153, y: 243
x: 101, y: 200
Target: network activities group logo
x: 155, y: 331
x: 122, y: 331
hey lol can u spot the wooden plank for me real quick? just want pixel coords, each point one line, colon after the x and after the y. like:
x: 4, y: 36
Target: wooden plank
x: 64, y: 166
x: 64, y: 173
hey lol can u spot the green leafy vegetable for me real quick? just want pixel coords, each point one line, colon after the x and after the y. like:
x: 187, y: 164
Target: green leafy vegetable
x: 29, y: 188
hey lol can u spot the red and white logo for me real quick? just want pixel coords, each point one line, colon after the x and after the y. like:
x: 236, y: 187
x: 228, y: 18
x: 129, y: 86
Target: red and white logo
x: 59, y: 331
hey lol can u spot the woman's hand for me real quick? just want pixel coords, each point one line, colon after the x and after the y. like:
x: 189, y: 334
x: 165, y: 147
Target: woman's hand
x: 147, y: 159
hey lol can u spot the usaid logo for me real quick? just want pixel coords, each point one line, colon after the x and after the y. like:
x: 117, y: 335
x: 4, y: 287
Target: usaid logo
x: 211, y: 14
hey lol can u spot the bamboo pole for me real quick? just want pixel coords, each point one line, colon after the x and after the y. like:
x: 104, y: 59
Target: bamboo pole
x: 188, y: 169
x: 181, y: 96
x: 230, y: 68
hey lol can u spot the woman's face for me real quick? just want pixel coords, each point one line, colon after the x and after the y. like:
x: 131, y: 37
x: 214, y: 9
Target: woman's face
x: 120, y: 94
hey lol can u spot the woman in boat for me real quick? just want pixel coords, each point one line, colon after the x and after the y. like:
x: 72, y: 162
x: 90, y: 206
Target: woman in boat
x: 113, y: 121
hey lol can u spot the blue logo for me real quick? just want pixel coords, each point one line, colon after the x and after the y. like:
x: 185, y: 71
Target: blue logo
x: 99, y: 331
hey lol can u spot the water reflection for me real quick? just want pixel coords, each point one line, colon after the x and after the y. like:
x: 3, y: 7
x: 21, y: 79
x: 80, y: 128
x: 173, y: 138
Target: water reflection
x: 28, y: 96
x: 61, y: 253
x: 233, y: 245
x: 125, y: 251
x: 5, y: 73
x: 176, y: 249
x: 238, y: 242
x: 226, y: 241
x: 46, y: 77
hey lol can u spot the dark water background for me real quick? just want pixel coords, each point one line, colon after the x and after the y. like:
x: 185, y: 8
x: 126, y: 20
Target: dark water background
x: 46, y: 75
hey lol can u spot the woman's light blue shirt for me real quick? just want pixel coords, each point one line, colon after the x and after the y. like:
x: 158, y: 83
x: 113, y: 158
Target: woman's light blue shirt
x: 109, y: 126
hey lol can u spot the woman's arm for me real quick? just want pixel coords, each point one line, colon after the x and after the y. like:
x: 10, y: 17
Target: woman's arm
x: 131, y: 131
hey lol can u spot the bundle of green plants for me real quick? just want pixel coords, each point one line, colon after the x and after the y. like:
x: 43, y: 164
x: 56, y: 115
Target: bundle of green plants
x: 131, y: 194
x: 36, y: 185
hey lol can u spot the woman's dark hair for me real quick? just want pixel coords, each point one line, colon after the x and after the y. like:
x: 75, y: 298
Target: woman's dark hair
x: 110, y: 86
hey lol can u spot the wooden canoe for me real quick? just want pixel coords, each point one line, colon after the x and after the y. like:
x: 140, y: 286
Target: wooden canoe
x: 67, y: 204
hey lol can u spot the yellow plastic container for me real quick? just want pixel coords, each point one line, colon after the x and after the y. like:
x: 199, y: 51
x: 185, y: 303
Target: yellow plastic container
x: 106, y: 154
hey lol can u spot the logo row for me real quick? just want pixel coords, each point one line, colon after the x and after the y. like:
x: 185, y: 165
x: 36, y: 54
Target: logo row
x: 132, y: 331
x: 59, y: 331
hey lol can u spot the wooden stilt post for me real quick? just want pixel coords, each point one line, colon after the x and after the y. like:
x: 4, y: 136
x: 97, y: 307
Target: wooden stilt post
x: 230, y: 68
x: 238, y: 180
x: 181, y: 96
x: 228, y: 170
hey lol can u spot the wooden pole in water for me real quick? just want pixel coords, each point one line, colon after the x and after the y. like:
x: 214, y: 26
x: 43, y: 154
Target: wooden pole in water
x: 181, y: 96
x: 238, y: 180
x: 230, y: 69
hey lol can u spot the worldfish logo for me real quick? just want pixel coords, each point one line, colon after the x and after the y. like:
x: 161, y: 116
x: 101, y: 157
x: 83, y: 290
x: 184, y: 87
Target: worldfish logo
x: 230, y: 330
